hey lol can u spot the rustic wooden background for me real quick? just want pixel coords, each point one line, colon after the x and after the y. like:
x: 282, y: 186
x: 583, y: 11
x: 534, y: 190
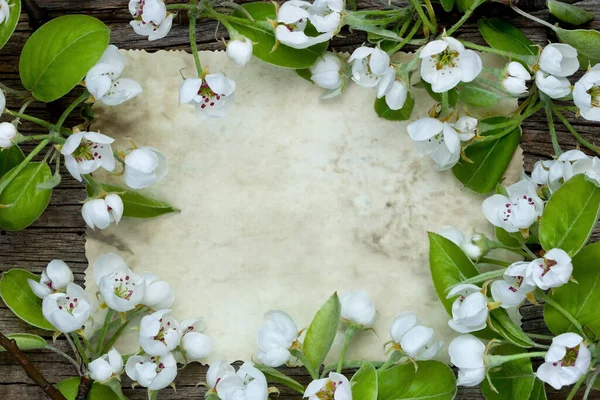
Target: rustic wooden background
x: 60, y: 232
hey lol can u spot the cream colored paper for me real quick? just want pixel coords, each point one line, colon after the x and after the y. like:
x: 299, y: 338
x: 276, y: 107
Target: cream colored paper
x: 284, y: 202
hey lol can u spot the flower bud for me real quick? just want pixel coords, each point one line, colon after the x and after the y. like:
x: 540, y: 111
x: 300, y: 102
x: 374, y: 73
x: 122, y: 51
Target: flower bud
x: 144, y: 166
x: 8, y: 132
x: 239, y: 51
x: 358, y: 308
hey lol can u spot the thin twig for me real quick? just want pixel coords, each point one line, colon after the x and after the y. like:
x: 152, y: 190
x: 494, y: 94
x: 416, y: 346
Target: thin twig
x: 84, y: 387
x: 32, y: 372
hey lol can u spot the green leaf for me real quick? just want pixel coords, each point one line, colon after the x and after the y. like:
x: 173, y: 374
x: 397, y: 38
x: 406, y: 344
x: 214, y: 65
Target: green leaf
x: 25, y: 202
x: 432, y: 381
x: 18, y: 296
x: 26, y: 341
x: 364, y: 382
x: 569, y: 13
x: 477, y: 96
x: 448, y: 5
x: 501, y: 35
x: 570, y: 215
x: 262, y: 34
x: 579, y: 299
x: 51, y: 183
x: 464, y: 5
x: 506, y: 238
x: 69, y: 387
x: 137, y: 205
x: 99, y: 391
x: 59, y: 54
x: 8, y: 27
x: 403, y: 114
x: 512, y: 380
x: 501, y: 323
x: 539, y: 391
x: 489, y: 158
x: 452, y: 94
x: 304, y: 73
x: 586, y: 43
x: 321, y: 332
x: 10, y: 158
x: 275, y: 376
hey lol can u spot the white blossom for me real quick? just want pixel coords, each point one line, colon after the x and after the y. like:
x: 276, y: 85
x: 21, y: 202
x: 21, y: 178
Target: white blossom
x: 103, y: 81
x: 247, y: 384
x: 106, y: 366
x: 101, y: 213
x: 8, y: 132
x: 590, y: 166
x: 195, y: 345
x: 326, y: 73
x: 553, y: 270
x: 517, y: 211
x: 4, y: 16
x: 67, y: 312
x: 85, y: 152
x: 416, y: 341
x: 555, y: 87
x: 516, y: 80
x: 393, y: 89
x: 151, y: 18
x: 275, y: 338
x: 559, y: 59
x: 336, y: 386
x: 586, y: 94
x: 470, y: 245
x: 144, y: 166
x: 567, y: 360
x: 467, y: 353
x: 512, y: 290
x: 152, y: 372
x: 158, y: 294
x: 358, y: 308
x: 55, y: 278
x: 553, y: 173
x: 369, y: 65
x: 160, y: 333
x: 239, y: 51
x: 469, y: 310
x: 121, y: 289
x: 217, y: 371
x: 293, y: 17
x: 212, y: 96
x: 445, y: 63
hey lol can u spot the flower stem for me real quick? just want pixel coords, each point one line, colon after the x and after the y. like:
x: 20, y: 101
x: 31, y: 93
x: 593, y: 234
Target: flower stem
x: 507, y: 54
x: 548, y: 300
x: 494, y: 361
x: 7, y: 179
x: 121, y: 328
x: 192, y: 16
x: 394, y: 358
x: 83, y: 97
x: 486, y: 260
x: 529, y: 252
x: 406, y: 40
x: 552, y: 129
x: 531, y: 17
x: 573, y: 391
x: 431, y: 12
x: 353, y: 364
x: 539, y: 336
x: 80, y: 348
x: 29, y: 118
x: 181, y: 7
x: 300, y: 356
x: 574, y: 132
x: 87, y: 344
x: 350, y: 332
x: 465, y: 17
x: 423, y: 17
x: 486, y: 276
x: 109, y: 314
x: 590, y: 384
x: 64, y: 355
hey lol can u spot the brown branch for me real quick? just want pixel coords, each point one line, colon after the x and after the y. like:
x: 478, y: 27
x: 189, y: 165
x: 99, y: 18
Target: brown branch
x: 84, y: 387
x: 32, y: 372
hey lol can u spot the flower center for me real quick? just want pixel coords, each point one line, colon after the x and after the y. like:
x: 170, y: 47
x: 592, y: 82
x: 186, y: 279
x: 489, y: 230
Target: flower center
x: 160, y: 336
x: 328, y: 392
x: 88, y: 151
x: 516, y: 285
x: 547, y: 265
x: 68, y: 304
x: 594, y: 92
x: 139, y: 9
x: 569, y: 358
x: 124, y: 287
x: 209, y: 97
x: 446, y: 58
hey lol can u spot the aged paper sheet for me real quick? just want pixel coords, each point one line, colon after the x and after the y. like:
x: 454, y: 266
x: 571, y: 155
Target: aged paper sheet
x: 284, y: 202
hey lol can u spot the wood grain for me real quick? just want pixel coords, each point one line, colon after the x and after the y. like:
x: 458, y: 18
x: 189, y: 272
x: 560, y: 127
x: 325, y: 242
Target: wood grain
x: 60, y: 232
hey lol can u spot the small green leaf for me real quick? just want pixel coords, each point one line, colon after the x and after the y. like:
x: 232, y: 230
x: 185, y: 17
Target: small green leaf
x: 580, y: 299
x: 512, y: 380
x: 586, y: 43
x: 447, y: 5
x: 26, y: 203
x: 137, y: 205
x: 569, y: 13
x: 8, y: 26
x: 539, y: 391
x: 570, y: 215
x: 304, y: 73
x: 452, y: 94
x: 433, y: 380
x: 403, y: 114
x: 501, y: 323
x: 478, y: 96
x: 464, y: 5
x: 261, y: 32
x: 59, y: 54
x: 26, y: 341
x: 69, y: 387
x: 51, y: 183
x: 18, y: 296
x: 321, y: 332
x: 501, y: 35
x: 364, y: 382
x: 10, y: 158
x: 490, y: 158
x: 274, y: 375
x: 99, y: 391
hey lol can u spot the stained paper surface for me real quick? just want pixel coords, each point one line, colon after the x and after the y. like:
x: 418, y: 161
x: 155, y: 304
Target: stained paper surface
x: 283, y: 202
